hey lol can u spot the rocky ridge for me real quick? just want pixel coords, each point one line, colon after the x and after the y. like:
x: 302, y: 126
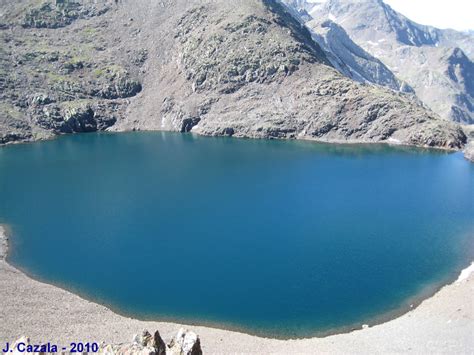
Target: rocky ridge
x: 350, y: 59
x: 382, y: 22
x: 432, y: 61
x: 209, y: 67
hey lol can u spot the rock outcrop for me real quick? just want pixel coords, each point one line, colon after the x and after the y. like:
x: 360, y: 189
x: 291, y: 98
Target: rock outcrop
x: 184, y: 343
x: 60, y: 13
x: 3, y: 243
x: 350, y: 59
x: 469, y: 151
x: 206, y: 66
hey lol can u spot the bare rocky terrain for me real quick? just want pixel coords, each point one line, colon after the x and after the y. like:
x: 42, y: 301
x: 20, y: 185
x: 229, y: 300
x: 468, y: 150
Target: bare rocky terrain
x: 436, y: 63
x: 246, y: 69
x: 350, y: 59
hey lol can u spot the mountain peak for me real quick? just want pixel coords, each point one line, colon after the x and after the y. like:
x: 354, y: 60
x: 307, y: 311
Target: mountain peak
x: 350, y: 59
x: 369, y: 14
x: 434, y: 62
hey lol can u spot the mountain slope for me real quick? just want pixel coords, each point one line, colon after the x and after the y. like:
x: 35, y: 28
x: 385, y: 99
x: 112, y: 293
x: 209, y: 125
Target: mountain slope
x: 373, y: 20
x: 350, y: 59
x: 202, y: 66
x: 423, y: 56
x: 345, y: 55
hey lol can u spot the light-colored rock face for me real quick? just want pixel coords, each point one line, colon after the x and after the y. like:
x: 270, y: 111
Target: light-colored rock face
x: 469, y: 151
x: 425, y: 57
x: 185, y: 343
x: 299, y: 8
x: 350, y: 59
x: 3, y: 243
x: 373, y: 20
x: 205, y: 66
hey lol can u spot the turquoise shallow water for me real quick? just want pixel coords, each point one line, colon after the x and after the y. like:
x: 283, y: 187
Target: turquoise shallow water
x: 272, y: 237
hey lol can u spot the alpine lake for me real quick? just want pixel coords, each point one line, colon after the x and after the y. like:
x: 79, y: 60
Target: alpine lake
x: 277, y: 238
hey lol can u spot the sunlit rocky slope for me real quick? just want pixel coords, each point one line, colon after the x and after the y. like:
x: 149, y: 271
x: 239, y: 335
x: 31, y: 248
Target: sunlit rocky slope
x: 243, y: 68
x: 436, y: 63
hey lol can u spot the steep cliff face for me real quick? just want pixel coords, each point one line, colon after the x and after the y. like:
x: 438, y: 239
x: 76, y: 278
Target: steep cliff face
x: 423, y: 56
x: 350, y: 59
x: 246, y: 69
x: 373, y: 20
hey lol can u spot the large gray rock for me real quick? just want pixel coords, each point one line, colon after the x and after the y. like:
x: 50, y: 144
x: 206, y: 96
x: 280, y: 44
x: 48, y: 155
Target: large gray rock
x: 185, y: 343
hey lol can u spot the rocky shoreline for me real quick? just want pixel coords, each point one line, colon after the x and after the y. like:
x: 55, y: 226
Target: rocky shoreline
x: 469, y: 151
x: 442, y: 323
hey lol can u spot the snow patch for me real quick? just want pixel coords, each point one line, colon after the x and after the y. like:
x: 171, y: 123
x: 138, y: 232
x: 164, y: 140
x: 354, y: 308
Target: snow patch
x: 464, y: 275
x: 163, y: 121
x: 393, y: 141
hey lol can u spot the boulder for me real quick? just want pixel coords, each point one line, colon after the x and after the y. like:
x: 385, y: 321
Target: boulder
x: 185, y: 343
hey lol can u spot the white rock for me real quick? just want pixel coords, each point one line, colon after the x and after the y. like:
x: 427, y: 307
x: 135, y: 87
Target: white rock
x: 185, y: 343
x: 3, y: 243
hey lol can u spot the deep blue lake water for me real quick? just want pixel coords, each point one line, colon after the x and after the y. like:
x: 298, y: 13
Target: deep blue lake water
x: 282, y: 238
